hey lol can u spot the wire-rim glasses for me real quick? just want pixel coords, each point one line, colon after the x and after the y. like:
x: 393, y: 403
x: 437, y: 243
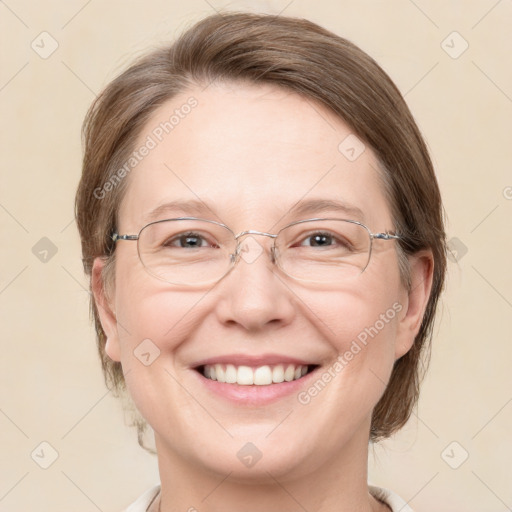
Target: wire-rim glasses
x: 191, y: 251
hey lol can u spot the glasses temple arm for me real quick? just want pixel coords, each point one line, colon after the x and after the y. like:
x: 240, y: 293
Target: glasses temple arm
x: 386, y: 236
x: 115, y: 237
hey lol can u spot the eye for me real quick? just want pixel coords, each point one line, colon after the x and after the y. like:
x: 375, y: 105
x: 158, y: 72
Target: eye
x: 190, y: 240
x: 322, y: 239
x: 319, y: 240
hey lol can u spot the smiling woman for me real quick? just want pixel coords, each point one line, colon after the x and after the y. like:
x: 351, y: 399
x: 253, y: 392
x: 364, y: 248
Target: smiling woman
x: 264, y: 293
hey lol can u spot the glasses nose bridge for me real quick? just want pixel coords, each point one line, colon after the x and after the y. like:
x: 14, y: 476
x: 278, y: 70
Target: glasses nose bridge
x: 239, y: 240
x: 254, y: 232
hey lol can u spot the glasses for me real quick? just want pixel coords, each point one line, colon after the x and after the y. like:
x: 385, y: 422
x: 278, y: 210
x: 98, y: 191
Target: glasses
x: 192, y: 251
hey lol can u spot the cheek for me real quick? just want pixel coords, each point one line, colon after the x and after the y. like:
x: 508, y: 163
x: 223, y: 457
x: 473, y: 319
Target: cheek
x: 162, y: 317
x: 360, y: 325
x: 152, y: 325
x: 145, y: 308
x: 369, y: 348
x: 361, y: 312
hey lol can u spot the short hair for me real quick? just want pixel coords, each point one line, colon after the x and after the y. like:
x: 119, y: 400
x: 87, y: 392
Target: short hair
x: 299, y: 56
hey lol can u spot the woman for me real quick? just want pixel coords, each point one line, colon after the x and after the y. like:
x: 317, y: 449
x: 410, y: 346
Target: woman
x: 263, y: 232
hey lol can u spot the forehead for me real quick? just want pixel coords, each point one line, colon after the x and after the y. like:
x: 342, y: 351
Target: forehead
x: 249, y: 154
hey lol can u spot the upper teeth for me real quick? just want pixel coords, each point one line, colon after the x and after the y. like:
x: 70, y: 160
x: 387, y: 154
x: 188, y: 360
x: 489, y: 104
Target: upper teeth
x: 260, y: 376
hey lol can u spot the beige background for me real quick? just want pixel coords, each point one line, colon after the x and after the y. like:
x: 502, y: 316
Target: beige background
x: 51, y: 388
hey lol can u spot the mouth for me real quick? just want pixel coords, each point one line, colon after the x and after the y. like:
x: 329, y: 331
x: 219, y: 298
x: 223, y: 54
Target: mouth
x: 254, y: 380
x: 264, y: 375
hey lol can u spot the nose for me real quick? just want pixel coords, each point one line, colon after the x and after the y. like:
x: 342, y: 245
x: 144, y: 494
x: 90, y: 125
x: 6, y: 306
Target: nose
x: 254, y: 294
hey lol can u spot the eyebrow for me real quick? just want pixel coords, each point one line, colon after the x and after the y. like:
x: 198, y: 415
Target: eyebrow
x: 316, y: 206
x: 197, y: 208
x: 188, y: 208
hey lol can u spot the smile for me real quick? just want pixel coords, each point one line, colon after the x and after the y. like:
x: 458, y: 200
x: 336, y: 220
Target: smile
x: 259, y: 376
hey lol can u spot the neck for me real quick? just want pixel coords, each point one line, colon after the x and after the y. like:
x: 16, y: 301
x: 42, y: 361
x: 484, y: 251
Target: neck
x: 339, y: 484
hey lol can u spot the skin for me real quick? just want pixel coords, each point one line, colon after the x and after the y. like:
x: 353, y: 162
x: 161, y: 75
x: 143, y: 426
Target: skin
x: 252, y: 152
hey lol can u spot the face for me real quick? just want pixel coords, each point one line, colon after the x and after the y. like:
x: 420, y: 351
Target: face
x: 252, y: 154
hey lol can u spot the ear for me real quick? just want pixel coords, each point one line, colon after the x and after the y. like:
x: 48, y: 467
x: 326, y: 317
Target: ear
x: 106, y: 311
x: 414, y: 301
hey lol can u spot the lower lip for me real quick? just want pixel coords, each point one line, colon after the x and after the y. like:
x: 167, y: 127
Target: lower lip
x: 256, y: 395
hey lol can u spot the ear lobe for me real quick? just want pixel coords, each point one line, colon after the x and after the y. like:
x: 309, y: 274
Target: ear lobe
x: 106, y: 311
x: 422, y: 272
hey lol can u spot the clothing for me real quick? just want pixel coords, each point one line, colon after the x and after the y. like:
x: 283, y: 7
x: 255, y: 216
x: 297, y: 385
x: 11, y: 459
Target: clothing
x: 142, y: 504
x: 394, y: 502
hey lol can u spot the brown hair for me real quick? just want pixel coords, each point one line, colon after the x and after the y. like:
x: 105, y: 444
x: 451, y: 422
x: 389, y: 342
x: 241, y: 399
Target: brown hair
x: 299, y: 56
